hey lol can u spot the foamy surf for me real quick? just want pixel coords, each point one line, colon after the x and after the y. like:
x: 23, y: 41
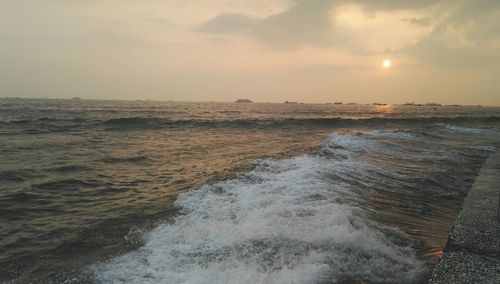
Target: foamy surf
x: 283, y: 222
x: 465, y: 129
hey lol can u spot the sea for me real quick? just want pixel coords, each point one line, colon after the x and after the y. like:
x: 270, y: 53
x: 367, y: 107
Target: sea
x: 95, y: 191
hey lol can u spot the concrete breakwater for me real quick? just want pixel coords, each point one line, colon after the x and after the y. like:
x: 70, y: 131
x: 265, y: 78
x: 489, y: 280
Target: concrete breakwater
x: 472, y: 254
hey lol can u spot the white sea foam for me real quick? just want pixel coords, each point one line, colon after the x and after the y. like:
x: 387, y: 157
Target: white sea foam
x: 488, y: 148
x: 463, y: 129
x: 392, y: 134
x: 283, y: 222
x: 353, y: 146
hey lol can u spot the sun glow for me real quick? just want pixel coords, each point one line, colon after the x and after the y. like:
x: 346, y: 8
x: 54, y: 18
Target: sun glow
x: 387, y: 63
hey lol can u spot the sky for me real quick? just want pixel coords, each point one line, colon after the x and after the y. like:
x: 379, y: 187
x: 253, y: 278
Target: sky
x: 313, y: 51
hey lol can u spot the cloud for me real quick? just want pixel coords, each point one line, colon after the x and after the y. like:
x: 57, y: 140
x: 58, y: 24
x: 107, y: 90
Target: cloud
x: 306, y: 23
x: 460, y: 33
x: 424, y: 22
x: 468, y: 38
x: 478, y: 20
x: 228, y: 23
x: 395, y: 4
x: 432, y: 51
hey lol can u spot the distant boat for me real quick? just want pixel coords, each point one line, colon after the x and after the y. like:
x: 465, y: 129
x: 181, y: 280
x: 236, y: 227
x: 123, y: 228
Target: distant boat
x: 243, y: 101
x: 350, y: 104
x: 409, y: 104
x: 293, y: 103
x: 76, y: 98
x: 433, y: 104
x: 379, y: 104
x: 338, y: 103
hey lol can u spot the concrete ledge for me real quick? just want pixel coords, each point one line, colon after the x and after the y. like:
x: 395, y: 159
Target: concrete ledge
x: 472, y: 254
x: 465, y: 267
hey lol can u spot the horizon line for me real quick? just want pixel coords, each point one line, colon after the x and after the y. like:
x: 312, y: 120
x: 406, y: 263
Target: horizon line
x: 429, y: 104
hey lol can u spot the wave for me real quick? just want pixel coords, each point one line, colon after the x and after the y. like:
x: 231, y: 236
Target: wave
x: 130, y: 159
x: 296, y: 220
x: 140, y: 122
x: 17, y: 176
x: 70, y: 169
x: 488, y: 148
x: 307, y: 219
x: 48, y: 125
x: 65, y: 184
x: 463, y: 129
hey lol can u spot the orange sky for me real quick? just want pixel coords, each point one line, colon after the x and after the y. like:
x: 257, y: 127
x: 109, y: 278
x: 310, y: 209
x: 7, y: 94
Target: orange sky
x: 268, y: 51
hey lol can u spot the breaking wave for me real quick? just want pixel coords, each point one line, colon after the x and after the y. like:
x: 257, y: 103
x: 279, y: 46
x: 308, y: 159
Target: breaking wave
x: 464, y: 129
x: 285, y: 221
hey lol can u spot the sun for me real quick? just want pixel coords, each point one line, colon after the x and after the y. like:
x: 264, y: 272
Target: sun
x: 387, y: 63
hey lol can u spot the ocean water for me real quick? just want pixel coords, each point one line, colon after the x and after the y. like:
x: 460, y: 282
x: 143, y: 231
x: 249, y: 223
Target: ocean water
x: 169, y: 192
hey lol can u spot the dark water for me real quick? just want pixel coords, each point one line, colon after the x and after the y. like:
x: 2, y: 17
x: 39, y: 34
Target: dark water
x: 163, y: 192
